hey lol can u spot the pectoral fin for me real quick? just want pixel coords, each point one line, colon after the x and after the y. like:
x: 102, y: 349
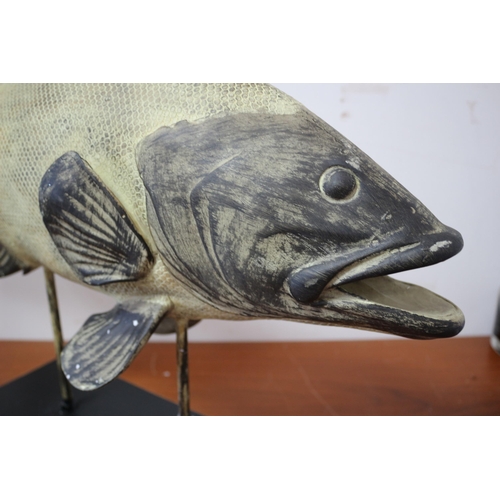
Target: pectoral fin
x: 108, y: 342
x: 89, y: 226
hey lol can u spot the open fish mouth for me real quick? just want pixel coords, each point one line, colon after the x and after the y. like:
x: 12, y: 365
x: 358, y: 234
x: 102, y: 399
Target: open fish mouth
x: 370, y: 299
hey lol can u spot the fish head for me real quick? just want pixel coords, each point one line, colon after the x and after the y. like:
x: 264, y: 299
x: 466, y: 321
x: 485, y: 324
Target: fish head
x: 280, y: 216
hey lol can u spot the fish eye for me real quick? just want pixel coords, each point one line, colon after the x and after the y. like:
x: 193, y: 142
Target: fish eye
x: 338, y: 184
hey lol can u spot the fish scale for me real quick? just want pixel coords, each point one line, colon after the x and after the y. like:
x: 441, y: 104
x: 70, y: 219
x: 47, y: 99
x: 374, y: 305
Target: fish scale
x: 103, y: 123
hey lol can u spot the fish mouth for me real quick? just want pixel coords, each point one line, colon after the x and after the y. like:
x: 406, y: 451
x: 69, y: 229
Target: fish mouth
x: 360, y: 291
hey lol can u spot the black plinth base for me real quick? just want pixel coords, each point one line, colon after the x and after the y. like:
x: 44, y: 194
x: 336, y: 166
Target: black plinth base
x: 38, y: 394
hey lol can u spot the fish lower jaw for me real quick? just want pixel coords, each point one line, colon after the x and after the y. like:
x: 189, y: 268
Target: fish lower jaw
x: 391, y: 306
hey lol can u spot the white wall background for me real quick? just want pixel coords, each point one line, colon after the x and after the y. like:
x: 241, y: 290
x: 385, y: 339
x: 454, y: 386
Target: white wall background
x: 440, y: 141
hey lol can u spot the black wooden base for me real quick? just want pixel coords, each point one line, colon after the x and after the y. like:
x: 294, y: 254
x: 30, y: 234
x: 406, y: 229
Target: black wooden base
x: 38, y: 394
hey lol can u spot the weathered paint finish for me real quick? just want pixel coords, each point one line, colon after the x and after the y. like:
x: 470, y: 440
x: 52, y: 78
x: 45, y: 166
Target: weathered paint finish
x: 207, y: 201
x: 240, y: 212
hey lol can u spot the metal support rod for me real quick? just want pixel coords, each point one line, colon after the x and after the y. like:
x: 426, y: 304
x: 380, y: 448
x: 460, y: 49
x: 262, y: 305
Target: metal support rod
x: 182, y: 367
x: 67, y: 399
x: 495, y: 337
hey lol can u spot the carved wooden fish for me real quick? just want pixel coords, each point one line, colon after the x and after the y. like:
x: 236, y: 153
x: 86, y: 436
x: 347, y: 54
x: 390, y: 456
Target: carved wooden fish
x: 227, y: 201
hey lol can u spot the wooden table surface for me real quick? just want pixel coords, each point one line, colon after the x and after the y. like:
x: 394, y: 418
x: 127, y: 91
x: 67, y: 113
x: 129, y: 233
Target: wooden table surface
x: 459, y: 376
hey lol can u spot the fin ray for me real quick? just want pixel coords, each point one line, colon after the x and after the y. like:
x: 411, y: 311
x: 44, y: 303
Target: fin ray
x: 107, y: 343
x: 88, y: 225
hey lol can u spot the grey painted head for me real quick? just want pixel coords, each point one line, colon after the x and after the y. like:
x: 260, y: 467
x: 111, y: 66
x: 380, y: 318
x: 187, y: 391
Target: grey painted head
x: 281, y: 216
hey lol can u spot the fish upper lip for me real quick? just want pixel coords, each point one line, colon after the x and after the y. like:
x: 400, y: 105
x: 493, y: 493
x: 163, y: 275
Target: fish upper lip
x: 307, y: 284
x: 374, y: 262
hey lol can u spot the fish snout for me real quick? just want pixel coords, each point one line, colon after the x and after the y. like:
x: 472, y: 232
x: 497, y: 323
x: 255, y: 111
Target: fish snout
x: 449, y: 243
x: 307, y: 284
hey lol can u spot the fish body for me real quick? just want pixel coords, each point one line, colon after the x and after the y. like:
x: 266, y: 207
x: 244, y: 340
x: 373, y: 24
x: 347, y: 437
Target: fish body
x: 227, y: 201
